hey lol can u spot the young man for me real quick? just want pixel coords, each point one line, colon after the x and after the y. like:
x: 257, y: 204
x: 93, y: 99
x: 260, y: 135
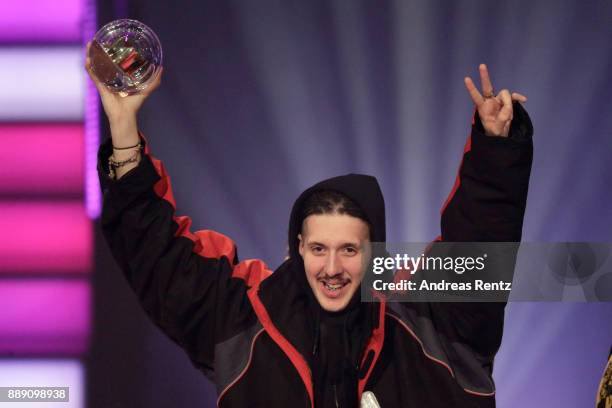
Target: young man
x: 299, y: 336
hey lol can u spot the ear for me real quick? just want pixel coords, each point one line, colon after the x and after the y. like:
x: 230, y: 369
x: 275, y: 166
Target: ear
x: 301, y: 245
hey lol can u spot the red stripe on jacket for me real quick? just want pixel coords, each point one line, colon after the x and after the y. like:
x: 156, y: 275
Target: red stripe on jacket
x: 375, y: 344
x: 466, y: 148
x: 294, y: 356
x: 207, y: 243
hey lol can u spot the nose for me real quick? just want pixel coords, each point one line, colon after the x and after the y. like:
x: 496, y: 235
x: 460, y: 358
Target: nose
x: 333, y: 264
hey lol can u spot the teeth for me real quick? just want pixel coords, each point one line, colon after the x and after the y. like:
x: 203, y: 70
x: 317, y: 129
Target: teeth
x: 333, y: 287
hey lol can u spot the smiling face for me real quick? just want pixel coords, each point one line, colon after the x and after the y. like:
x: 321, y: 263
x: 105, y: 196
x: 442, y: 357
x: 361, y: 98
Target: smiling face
x: 334, y: 248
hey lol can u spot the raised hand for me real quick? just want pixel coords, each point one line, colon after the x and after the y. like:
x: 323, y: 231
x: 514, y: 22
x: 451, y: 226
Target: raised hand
x: 116, y: 106
x: 121, y: 112
x: 495, y: 111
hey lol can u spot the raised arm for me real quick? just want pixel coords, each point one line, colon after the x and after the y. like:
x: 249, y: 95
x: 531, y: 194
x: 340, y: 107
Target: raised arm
x: 122, y: 117
x: 189, y: 283
x: 487, y: 202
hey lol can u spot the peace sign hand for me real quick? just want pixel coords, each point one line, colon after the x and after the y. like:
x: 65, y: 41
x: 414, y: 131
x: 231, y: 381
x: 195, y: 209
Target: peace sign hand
x: 495, y: 111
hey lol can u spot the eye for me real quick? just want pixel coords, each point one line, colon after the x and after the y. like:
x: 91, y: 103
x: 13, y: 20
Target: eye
x: 317, y: 249
x: 350, y: 250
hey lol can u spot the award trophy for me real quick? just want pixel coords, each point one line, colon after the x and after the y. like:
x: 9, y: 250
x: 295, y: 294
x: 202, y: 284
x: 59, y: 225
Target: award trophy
x: 125, y: 55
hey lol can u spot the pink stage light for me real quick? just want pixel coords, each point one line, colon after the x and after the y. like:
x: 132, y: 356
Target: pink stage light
x: 45, y: 237
x: 41, y: 159
x: 40, y: 21
x: 44, y: 316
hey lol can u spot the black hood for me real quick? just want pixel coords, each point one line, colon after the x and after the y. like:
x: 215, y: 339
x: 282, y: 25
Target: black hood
x: 362, y: 189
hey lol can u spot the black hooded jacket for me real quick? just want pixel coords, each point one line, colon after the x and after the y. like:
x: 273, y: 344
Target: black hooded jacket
x: 339, y: 337
x: 261, y: 337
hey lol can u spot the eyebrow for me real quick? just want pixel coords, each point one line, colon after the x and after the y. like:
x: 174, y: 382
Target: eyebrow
x: 346, y: 244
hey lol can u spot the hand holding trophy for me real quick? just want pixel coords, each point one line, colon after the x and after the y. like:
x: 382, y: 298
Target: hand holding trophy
x: 124, y: 61
x: 125, y: 56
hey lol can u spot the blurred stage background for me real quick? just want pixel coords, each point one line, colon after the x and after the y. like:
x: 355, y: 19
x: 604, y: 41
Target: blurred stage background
x: 259, y: 100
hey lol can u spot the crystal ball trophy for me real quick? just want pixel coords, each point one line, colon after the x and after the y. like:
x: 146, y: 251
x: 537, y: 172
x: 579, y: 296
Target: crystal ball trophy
x: 126, y: 56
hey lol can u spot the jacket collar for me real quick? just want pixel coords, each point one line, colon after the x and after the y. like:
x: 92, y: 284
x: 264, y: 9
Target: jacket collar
x: 283, y: 303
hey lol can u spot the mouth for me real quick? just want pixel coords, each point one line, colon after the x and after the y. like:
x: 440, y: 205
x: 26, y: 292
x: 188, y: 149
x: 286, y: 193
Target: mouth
x: 334, y: 290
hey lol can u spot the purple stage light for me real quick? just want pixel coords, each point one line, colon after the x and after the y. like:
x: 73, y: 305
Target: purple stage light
x: 44, y: 316
x: 40, y: 21
x: 92, y: 123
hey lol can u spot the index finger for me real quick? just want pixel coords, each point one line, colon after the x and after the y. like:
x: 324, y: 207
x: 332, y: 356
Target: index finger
x: 485, y: 80
x: 476, y: 96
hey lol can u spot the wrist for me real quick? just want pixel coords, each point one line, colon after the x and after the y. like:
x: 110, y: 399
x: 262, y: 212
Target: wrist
x: 124, y: 132
x: 122, y: 120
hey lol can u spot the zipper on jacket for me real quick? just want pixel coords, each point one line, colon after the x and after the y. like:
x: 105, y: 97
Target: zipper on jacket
x: 336, y: 396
